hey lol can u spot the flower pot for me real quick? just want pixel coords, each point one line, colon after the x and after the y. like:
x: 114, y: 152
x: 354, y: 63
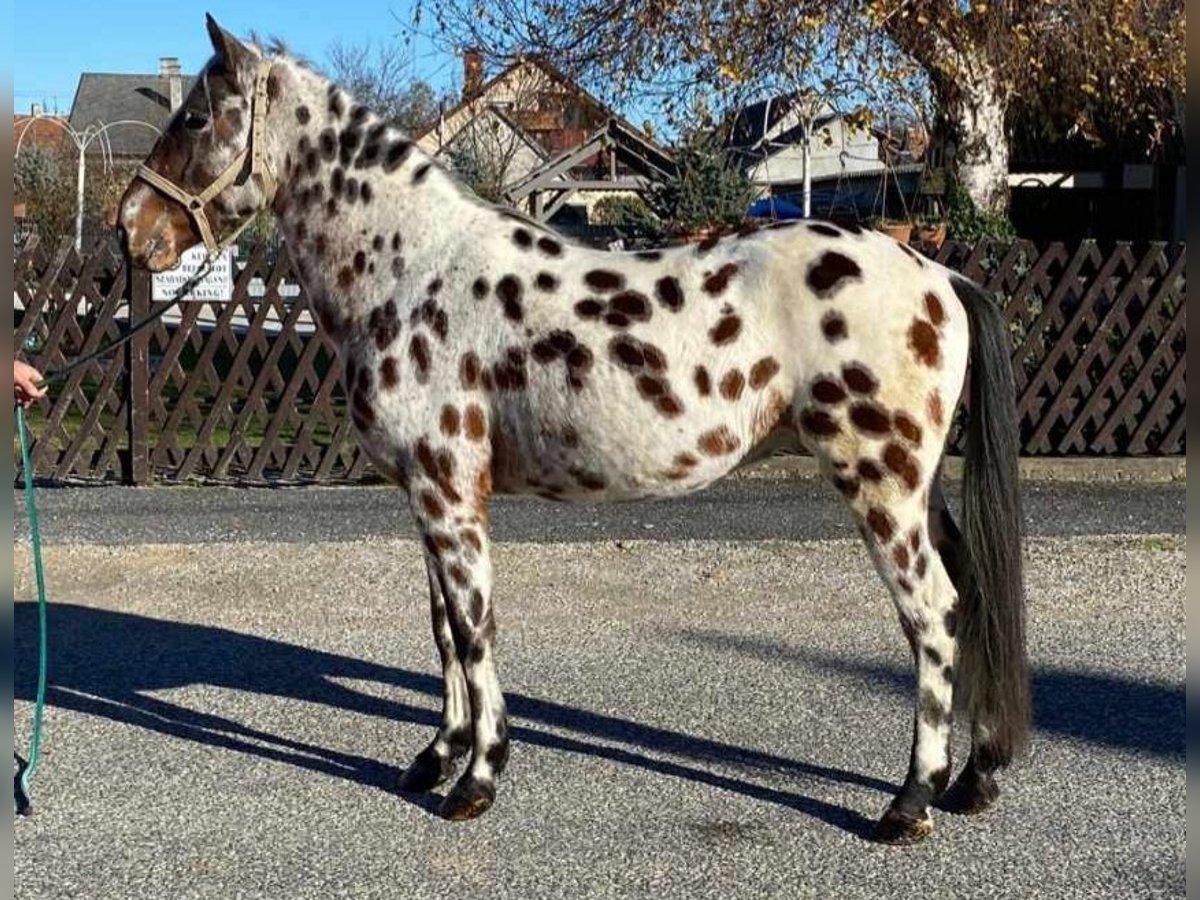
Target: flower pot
x: 930, y: 235
x: 900, y: 231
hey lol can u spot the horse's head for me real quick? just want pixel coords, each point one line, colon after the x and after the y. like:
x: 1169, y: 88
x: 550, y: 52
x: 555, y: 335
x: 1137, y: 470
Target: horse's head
x: 207, y: 176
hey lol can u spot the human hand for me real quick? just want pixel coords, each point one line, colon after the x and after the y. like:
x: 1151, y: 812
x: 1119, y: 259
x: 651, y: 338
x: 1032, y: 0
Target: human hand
x: 27, y: 384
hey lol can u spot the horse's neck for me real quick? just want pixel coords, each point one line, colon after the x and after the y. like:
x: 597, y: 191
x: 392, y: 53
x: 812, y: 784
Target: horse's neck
x: 347, y: 238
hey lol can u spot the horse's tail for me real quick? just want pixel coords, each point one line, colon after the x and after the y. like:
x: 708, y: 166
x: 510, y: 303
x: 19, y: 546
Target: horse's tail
x: 993, y: 671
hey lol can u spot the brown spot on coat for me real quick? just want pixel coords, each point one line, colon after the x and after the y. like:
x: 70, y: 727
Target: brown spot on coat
x: 591, y: 308
x: 908, y: 427
x: 719, y: 280
x: 726, y: 330
x: 655, y: 358
x: 936, y: 413
x: 473, y: 423
x: 881, y: 522
x: 508, y: 289
x: 849, y: 487
x: 937, y: 314
x: 819, y: 423
x: 604, y: 280
x: 627, y: 352
x: 870, y: 418
x: 651, y: 386
x: 859, y: 378
x: 830, y: 272
x: 669, y: 405
x: 632, y: 304
x: 923, y: 339
x: 868, y: 470
x: 763, y: 371
x: 468, y: 370
x: 432, y: 505
x: 550, y: 246
x: 669, y: 293
x: 828, y: 391
x: 732, y: 384
x: 546, y: 282
x: 418, y: 349
x: 389, y: 372
x: 833, y: 326
x: 450, y: 420
x: 703, y: 382
x: 903, y: 464
x: 718, y: 442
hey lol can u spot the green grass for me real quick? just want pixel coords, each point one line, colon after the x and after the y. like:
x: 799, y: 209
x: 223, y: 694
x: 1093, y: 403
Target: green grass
x: 186, y: 435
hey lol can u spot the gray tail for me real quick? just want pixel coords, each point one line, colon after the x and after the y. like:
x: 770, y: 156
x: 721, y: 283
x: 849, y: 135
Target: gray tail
x: 992, y: 683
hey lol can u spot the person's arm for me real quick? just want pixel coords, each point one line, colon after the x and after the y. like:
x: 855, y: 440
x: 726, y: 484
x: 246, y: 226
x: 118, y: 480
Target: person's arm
x: 26, y: 383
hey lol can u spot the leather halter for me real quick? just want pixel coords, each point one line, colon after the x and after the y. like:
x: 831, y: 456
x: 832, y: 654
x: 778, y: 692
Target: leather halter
x: 259, y: 168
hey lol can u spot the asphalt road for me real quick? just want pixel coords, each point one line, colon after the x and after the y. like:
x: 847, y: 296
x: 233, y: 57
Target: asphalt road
x: 742, y: 509
x: 707, y: 711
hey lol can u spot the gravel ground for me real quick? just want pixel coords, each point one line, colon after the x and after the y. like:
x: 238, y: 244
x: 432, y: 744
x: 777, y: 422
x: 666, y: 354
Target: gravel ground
x: 747, y: 509
x: 225, y: 719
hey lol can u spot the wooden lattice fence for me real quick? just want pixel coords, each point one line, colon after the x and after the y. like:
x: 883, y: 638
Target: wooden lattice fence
x: 249, y: 390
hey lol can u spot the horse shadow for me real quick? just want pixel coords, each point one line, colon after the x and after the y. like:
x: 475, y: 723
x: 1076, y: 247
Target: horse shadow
x: 1097, y: 708
x: 108, y: 664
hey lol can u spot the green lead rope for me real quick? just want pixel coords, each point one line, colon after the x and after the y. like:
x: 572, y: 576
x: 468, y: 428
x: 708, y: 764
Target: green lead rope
x: 26, y: 768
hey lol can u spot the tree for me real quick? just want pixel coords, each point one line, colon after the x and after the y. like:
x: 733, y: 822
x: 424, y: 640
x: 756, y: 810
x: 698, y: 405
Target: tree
x: 46, y: 182
x: 1076, y: 61
x: 705, y: 191
x: 378, y: 76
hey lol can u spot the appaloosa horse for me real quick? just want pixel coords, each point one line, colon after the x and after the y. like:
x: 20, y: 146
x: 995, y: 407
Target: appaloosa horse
x: 484, y: 354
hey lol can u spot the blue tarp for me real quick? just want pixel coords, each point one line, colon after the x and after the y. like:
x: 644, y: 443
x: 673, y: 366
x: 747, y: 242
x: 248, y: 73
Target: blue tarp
x: 775, y: 208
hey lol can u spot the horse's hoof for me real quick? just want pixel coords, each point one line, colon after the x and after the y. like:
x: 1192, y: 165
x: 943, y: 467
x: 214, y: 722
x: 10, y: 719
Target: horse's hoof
x: 971, y: 793
x: 469, y: 798
x: 900, y: 829
x: 427, y: 771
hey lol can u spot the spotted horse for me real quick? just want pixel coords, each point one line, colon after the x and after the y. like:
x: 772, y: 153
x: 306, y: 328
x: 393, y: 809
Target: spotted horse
x: 485, y: 354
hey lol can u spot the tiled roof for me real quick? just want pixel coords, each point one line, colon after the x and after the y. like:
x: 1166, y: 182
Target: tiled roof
x: 103, y: 98
x: 46, y: 132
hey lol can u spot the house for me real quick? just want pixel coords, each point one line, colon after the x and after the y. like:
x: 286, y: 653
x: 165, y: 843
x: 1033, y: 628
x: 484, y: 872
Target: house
x: 546, y: 144
x: 1079, y: 185
x: 130, y: 109
x: 854, y: 172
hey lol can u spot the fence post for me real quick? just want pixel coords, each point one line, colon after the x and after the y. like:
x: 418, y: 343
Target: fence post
x: 137, y: 373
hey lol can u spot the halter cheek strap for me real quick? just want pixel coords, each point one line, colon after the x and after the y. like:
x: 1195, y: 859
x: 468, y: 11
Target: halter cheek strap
x: 259, y: 168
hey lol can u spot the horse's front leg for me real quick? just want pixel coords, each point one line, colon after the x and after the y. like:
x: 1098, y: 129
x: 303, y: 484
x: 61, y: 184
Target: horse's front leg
x: 453, y: 523
x: 435, y: 763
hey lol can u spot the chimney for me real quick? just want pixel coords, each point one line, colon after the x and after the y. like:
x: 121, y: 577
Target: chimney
x: 35, y: 109
x: 169, y: 68
x: 472, y: 72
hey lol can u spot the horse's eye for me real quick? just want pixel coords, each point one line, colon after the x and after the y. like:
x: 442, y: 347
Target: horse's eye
x: 194, y: 121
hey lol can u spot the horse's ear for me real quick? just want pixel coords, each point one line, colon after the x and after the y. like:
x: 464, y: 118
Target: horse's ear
x: 229, y: 49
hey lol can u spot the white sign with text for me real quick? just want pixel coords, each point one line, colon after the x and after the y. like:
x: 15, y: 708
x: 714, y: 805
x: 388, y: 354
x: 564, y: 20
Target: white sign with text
x: 216, y: 285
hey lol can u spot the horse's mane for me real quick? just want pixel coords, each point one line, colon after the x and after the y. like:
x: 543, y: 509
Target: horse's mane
x: 272, y: 47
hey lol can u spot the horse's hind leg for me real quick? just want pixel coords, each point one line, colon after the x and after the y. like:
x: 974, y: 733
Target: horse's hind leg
x: 886, y: 482
x: 898, y: 539
x: 975, y: 789
x: 435, y: 763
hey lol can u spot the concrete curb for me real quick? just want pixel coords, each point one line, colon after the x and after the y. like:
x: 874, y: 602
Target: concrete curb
x: 1150, y: 470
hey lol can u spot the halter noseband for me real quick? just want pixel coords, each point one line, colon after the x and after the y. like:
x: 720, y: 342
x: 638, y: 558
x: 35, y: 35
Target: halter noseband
x: 259, y: 168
